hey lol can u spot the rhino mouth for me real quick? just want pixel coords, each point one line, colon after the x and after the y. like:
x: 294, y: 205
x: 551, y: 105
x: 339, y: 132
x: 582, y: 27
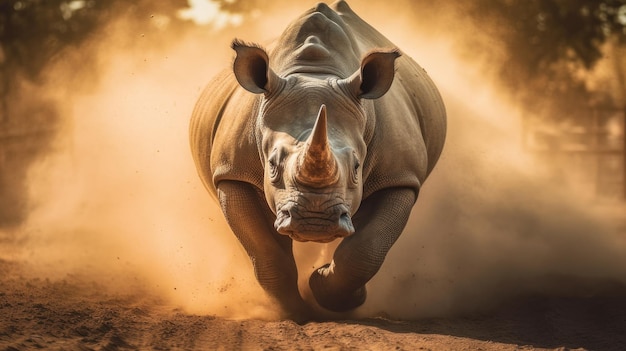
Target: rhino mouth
x: 302, y: 224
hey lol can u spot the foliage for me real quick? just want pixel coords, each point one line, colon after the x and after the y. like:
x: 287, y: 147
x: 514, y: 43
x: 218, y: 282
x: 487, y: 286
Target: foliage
x: 32, y: 32
x: 546, y: 44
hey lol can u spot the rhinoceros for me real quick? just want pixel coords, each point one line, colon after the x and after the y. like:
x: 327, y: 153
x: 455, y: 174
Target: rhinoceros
x: 328, y: 134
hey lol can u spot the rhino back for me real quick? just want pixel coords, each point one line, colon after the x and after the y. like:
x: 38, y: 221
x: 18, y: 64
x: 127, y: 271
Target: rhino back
x: 222, y: 135
x: 317, y: 42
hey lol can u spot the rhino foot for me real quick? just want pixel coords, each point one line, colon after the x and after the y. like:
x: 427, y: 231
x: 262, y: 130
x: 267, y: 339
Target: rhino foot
x: 333, y: 297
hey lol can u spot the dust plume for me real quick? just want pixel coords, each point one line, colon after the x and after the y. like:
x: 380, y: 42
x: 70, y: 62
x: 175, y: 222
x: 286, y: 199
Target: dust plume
x: 118, y: 199
x: 490, y: 223
x: 489, y: 227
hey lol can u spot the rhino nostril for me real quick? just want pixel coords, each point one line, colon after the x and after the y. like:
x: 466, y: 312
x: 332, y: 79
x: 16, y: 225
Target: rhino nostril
x: 284, y: 222
x: 344, y: 217
x: 345, y: 222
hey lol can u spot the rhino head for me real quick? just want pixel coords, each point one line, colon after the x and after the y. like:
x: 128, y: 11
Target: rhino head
x: 312, y: 134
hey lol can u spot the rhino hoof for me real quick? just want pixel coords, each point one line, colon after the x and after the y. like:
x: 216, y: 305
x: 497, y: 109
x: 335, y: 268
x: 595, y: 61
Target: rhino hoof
x: 332, y: 299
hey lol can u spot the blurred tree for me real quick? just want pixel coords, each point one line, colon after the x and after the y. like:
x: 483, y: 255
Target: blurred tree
x: 33, y: 32
x: 546, y: 45
x: 33, y: 35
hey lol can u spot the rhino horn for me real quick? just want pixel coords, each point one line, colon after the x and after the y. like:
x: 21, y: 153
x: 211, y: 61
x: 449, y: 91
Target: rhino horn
x: 318, y: 166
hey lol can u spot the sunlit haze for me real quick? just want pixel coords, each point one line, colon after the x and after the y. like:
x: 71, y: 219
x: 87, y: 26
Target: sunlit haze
x: 208, y: 12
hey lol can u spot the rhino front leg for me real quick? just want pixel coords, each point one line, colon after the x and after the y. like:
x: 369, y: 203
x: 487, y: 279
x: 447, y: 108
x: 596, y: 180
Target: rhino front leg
x: 250, y: 219
x: 340, y: 285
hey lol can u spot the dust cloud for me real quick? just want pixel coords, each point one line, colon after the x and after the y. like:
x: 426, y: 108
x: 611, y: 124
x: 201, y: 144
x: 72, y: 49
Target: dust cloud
x: 491, y: 224
x: 118, y: 200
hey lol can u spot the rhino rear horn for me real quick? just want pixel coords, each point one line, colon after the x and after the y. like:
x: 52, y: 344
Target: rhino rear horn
x: 318, y: 166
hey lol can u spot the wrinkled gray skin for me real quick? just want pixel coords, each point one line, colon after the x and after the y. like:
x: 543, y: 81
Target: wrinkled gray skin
x: 329, y: 134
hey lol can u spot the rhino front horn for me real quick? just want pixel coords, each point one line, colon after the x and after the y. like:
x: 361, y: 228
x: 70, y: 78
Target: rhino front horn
x: 318, y: 166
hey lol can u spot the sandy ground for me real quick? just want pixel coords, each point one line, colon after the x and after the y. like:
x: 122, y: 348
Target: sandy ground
x: 78, y: 313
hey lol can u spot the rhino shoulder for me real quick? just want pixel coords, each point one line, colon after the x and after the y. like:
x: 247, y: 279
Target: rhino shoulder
x: 409, y: 132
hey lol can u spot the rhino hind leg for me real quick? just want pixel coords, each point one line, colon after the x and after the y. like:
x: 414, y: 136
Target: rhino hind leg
x: 271, y: 253
x: 340, y: 285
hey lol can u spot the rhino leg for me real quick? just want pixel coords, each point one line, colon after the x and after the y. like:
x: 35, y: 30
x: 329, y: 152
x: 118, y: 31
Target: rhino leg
x: 250, y: 219
x: 340, y: 285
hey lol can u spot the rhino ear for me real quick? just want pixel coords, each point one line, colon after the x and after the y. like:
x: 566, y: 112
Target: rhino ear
x: 375, y: 76
x: 252, y: 70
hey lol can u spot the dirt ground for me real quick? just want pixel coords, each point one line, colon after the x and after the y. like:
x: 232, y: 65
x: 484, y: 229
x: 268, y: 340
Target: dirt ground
x: 77, y: 313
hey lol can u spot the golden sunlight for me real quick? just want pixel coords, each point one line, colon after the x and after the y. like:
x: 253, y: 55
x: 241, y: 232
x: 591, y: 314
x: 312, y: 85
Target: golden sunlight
x: 209, y: 12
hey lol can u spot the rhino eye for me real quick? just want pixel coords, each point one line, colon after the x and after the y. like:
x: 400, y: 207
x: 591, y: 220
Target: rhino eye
x: 274, y: 169
x: 355, y: 172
